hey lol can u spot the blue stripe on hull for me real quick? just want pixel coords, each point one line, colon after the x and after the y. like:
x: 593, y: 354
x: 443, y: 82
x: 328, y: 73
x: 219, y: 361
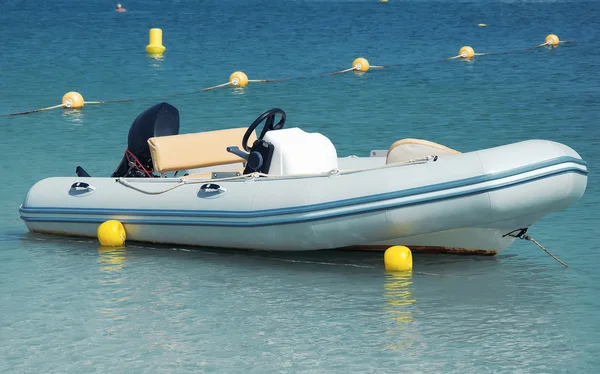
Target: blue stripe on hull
x: 282, y: 211
x: 320, y: 206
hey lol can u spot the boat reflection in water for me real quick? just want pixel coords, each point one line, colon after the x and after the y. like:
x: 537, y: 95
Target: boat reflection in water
x: 399, y: 306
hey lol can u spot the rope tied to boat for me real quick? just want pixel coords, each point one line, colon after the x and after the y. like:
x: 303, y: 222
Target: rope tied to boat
x: 522, y: 234
x: 126, y: 183
x: 256, y: 175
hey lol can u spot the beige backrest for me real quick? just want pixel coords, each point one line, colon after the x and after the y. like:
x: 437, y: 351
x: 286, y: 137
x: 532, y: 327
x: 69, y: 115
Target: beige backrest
x: 408, y: 149
x: 197, y: 150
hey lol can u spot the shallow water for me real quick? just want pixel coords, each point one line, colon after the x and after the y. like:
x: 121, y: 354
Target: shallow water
x: 67, y: 305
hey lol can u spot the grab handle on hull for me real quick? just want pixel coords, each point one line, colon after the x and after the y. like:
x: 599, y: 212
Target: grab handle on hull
x: 81, y: 188
x: 211, y: 188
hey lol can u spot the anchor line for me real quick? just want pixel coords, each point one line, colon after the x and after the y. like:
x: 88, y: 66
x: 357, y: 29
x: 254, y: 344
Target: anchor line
x: 522, y: 234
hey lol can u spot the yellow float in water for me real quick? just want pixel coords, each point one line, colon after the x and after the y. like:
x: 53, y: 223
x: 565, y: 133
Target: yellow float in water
x: 360, y: 64
x: 466, y: 52
x: 72, y: 100
x: 155, y: 47
x: 238, y: 79
x: 111, y: 234
x: 398, y: 258
x: 552, y: 40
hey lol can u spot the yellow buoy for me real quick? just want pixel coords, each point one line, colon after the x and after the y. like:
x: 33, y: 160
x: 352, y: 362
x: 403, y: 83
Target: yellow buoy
x: 72, y: 100
x: 111, y: 234
x: 398, y: 258
x: 482, y: 25
x: 238, y: 79
x: 155, y: 47
x: 466, y: 52
x: 360, y: 64
x: 552, y: 40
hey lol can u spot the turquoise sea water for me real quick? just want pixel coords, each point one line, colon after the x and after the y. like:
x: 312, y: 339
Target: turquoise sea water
x: 67, y: 305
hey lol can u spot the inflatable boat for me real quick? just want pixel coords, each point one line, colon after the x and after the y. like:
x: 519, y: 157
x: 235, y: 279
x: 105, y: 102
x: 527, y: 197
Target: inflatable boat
x: 287, y: 189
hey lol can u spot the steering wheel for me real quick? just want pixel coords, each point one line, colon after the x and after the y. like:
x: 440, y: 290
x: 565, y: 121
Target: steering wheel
x: 269, y: 116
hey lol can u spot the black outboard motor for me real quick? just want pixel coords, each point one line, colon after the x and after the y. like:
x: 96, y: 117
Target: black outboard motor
x: 158, y: 120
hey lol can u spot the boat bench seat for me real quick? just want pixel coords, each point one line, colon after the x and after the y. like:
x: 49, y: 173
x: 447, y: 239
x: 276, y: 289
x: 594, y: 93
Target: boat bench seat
x: 197, y: 150
x: 408, y: 149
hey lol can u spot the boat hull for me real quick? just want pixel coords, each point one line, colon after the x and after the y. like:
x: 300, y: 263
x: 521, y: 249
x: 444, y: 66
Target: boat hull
x: 493, y: 191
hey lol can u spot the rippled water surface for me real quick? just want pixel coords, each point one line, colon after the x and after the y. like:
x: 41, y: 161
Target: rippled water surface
x: 67, y: 305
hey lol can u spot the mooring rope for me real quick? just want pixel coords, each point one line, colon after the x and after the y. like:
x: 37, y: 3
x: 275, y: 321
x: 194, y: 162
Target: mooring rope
x: 522, y: 234
x: 529, y: 238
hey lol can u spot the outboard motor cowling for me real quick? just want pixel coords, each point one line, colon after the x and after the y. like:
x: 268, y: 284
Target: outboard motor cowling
x: 158, y: 120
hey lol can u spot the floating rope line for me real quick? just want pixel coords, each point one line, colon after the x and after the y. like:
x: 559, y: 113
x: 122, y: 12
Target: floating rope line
x: 240, y: 79
x: 74, y: 100
x: 217, y: 86
x: 339, y: 72
x: 71, y: 100
x: 466, y: 52
x: 34, y: 111
x: 360, y: 64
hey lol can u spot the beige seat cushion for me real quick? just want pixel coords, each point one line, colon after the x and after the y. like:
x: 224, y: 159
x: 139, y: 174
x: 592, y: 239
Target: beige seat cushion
x: 408, y: 149
x: 197, y: 150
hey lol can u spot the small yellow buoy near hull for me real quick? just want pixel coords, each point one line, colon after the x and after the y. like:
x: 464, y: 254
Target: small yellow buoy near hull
x: 111, y: 234
x: 552, y: 40
x: 466, y: 52
x: 72, y: 100
x: 398, y: 258
x: 360, y: 64
x: 155, y: 47
x: 238, y: 79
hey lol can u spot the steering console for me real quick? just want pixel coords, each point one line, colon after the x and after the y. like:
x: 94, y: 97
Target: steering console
x: 259, y: 154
